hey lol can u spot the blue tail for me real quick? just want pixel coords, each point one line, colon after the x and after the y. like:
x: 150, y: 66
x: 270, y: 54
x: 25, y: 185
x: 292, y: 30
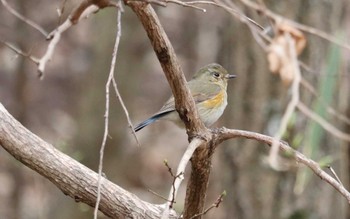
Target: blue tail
x: 150, y: 120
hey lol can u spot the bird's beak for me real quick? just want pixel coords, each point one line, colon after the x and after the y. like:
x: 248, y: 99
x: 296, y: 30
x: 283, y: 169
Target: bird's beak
x: 230, y: 76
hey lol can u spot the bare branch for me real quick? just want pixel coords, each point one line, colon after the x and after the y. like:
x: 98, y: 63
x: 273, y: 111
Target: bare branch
x: 163, y: 3
x: 334, y: 174
x: 61, y: 10
x: 55, y: 35
x: 174, y: 189
x: 186, y: 4
x: 280, y: 19
x: 84, y: 10
x: 20, y: 52
x: 70, y: 176
x: 108, y: 84
x: 233, y: 11
x: 216, y: 204
x: 156, y: 194
x: 24, y: 19
x: 322, y: 122
x: 125, y: 111
x: 225, y: 134
x: 180, y: 174
x: 330, y: 109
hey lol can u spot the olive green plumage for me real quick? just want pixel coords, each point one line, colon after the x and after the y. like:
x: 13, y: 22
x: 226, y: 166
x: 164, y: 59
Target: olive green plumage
x: 208, y: 88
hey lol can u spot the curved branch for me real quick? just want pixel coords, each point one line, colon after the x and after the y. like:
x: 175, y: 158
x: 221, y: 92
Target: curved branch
x: 223, y: 134
x: 71, y: 177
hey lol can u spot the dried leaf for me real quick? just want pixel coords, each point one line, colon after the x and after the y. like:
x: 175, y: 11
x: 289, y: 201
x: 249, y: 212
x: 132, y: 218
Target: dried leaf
x: 279, y: 54
x: 298, y: 36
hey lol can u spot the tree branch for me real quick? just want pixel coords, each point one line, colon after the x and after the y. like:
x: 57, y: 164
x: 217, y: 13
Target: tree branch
x: 24, y: 19
x: 84, y: 10
x: 71, y: 177
x: 184, y: 103
x: 185, y: 106
x: 223, y: 134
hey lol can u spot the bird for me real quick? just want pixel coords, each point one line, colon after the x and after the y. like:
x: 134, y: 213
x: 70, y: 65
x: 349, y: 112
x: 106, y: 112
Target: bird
x: 209, y: 90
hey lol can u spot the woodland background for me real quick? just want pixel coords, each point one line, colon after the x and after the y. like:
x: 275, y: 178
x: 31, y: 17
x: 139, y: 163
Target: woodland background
x: 66, y: 108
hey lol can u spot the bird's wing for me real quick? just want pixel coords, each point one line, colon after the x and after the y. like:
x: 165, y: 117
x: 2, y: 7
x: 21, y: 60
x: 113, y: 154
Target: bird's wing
x: 199, y: 93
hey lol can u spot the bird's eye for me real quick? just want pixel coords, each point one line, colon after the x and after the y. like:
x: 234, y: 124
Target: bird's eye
x: 216, y: 74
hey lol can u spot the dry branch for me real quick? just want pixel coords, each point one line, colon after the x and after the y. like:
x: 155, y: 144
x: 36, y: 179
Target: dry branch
x: 225, y: 134
x: 280, y: 19
x: 23, y: 18
x: 184, y: 104
x: 20, y: 52
x: 106, y: 116
x: 70, y: 176
x: 323, y: 123
x: 180, y: 174
x: 84, y: 10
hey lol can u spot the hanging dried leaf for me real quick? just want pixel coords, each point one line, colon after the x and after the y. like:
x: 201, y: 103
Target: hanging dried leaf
x: 280, y: 55
x: 297, y: 35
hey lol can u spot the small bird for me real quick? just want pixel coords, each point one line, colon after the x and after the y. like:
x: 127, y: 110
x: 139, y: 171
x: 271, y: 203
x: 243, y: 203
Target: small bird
x: 208, y: 88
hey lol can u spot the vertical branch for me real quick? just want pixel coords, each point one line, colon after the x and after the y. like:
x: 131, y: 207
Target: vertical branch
x: 180, y: 172
x: 105, y: 134
x: 185, y: 106
x: 198, y: 183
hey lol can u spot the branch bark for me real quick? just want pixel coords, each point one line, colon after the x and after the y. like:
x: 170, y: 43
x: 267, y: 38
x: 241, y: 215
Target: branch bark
x: 71, y: 177
x: 201, y: 159
x: 184, y: 102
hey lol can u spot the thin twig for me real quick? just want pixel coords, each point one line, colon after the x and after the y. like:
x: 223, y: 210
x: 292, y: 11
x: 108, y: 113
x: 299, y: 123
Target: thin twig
x: 280, y: 19
x: 172, y: 201
x: 163, y: 3
x: 195, y: 143
x: 233, y: 11
x: 334, y: 174
x: 216, y: 204
x: 273, y: 156
x: 192, y: 4
x: 24, y: 19
x: 236, y: 12
x: 55, y: 35
x: 186, y: 4
x: 119, y: 28
x: 156, y: 194
x: 170, y: 170
x: 225, y: 134
x: 125, y: 110
x: 323, y: 123
x: 105, y: 134
x: 84, y: 10
x: 60, y: 10
x: 329, y: 109
x: 20, y: 52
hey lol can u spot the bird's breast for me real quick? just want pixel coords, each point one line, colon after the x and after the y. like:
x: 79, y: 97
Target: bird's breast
x: 216, y: 101
x: 211, y: 110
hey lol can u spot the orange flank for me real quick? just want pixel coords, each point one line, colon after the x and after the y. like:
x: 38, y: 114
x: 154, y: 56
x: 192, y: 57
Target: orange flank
x: 216, y: 101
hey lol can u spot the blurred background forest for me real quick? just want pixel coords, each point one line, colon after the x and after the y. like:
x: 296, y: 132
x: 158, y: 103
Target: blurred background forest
x: 66, y: 108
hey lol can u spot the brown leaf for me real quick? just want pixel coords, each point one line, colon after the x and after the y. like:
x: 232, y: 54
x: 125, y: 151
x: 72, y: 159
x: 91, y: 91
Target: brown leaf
x: 279, y: 54
x: 298, y: 36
